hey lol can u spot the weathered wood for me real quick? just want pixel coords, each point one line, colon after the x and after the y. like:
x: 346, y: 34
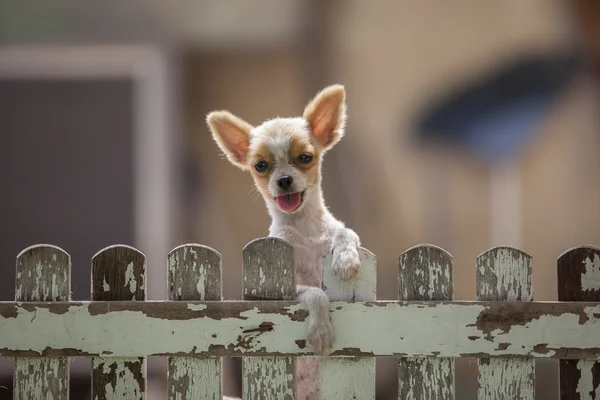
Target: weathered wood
x: 268, y: 273
x: 119, y: 273
x: 425, y: 273
x: 194, y: 273
x: 43, y: 274
x: 505, y: 274
x: 343, y: 377
x: 243, y: 328
x: 579, y: 280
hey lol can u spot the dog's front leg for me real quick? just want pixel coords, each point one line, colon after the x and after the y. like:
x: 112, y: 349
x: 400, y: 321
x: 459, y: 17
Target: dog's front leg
x: 346, y: 260
x: 320, y: 330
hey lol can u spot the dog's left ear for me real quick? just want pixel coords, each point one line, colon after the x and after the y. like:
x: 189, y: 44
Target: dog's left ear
x: 326, y: 115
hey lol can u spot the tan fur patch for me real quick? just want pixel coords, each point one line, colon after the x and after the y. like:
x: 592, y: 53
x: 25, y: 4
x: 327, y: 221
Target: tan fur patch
x: 301, y: 145
x: 261, y: 179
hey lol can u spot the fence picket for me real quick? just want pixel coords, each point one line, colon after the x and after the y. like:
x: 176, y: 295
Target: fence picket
x: 194, y: 273
x: 118, y: 273
x: 349, y: 377
x: 579, y: 280
x: 505, y: 274
x: 268, y: 274
x: 425, y: 273
x: 43, y: 274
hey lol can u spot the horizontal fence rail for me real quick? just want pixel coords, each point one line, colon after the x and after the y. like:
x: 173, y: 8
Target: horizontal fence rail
x: 564, y: 330
x: 505, y: 329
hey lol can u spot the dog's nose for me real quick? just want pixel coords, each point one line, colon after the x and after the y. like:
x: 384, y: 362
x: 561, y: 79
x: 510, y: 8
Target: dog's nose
x: 285, y: 182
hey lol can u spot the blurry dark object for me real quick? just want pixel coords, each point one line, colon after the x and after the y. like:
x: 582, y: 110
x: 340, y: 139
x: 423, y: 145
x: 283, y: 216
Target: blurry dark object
x: 587, y: 17
x: 494, y: 115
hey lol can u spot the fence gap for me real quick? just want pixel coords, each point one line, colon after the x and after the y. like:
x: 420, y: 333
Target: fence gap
x: 349, y: 377
x: 194, y: 273
x: 579, y: 280
x: 268, y: 274
x: 505, y: 274
x: 43, y: 274
x: 425, y: 274
x: 119, y: 274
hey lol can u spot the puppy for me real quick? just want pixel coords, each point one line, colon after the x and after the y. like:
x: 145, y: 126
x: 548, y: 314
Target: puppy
x: 284, y: 157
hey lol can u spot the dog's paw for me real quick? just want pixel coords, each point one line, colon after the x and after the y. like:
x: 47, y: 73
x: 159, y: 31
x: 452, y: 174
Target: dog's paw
x: 320, y: 335
x: 346, y: 263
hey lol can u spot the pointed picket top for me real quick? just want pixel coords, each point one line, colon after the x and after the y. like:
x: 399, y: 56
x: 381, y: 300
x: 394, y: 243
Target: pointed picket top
x: 268, y: 264
x: 425, y: 273
x: 504, y: 273
x: 116, y: 267
x: 194, y: 273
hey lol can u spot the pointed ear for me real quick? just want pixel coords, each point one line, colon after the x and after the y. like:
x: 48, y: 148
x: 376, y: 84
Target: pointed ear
x: 232, y: 134
x: 326, y: 115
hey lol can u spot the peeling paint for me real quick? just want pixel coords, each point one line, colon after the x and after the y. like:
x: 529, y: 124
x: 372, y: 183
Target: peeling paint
x: 130, y: 278
x: 585, y: 385
x: 119, y: 379
x: 105, y: 285
x: 425, y: 378
x: 197, y: 307
x: 590, y: 278
x: 506, y: 378
x: 504, y: 273
x: 560, y: 330
x: 268, y: 377
x: 192, y: 378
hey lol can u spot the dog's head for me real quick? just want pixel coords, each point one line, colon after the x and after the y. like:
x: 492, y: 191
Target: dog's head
x: 284, y: 154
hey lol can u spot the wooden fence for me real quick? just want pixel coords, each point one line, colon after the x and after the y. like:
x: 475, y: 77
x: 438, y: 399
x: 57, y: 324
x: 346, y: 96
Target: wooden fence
x: 425, y: 330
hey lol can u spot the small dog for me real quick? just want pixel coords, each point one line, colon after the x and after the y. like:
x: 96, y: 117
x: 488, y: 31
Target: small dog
x: 284, y: 157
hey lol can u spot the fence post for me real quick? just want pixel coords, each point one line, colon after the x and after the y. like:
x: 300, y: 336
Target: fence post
x: 268, y: 274
x: 118, y: 273
x: 194, y: 273
x: 579, y: 280
x: 425, y: 274
x: 349, y: 377
x: 43, y: 274
x: 505, y: 274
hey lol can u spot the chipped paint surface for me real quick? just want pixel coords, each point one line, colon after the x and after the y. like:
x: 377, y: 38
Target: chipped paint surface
x: 43, y: 274
x: 453, y: 329
x: 268, y: 378
x: 429, y: 268
x: 506, y: 378
x: 347, y: 378
x: 130, y: 278
x: 425, y: 378
x: 343, y: 377
x: 590, y: 279
x: 194, y: 378
x: 504, y: 273
x: 585, y: 385
x: 121, y: 379
x: 41, y: 378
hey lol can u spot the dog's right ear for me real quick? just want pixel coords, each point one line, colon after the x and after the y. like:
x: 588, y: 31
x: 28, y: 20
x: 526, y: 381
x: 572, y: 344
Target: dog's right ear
x: 232, y: 134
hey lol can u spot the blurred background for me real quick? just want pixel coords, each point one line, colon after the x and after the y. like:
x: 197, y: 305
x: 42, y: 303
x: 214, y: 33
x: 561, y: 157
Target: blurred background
x: 471, y: 124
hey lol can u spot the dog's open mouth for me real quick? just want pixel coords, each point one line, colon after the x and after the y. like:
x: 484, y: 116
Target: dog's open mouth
x: 290, y: 202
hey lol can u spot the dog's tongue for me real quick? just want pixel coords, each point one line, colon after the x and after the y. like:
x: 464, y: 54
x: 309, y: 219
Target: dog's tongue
x: 289, y: 202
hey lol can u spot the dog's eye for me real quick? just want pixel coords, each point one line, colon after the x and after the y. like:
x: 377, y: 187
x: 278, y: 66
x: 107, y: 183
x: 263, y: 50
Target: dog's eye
x: 261, y: 166
x: 305, y: 158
